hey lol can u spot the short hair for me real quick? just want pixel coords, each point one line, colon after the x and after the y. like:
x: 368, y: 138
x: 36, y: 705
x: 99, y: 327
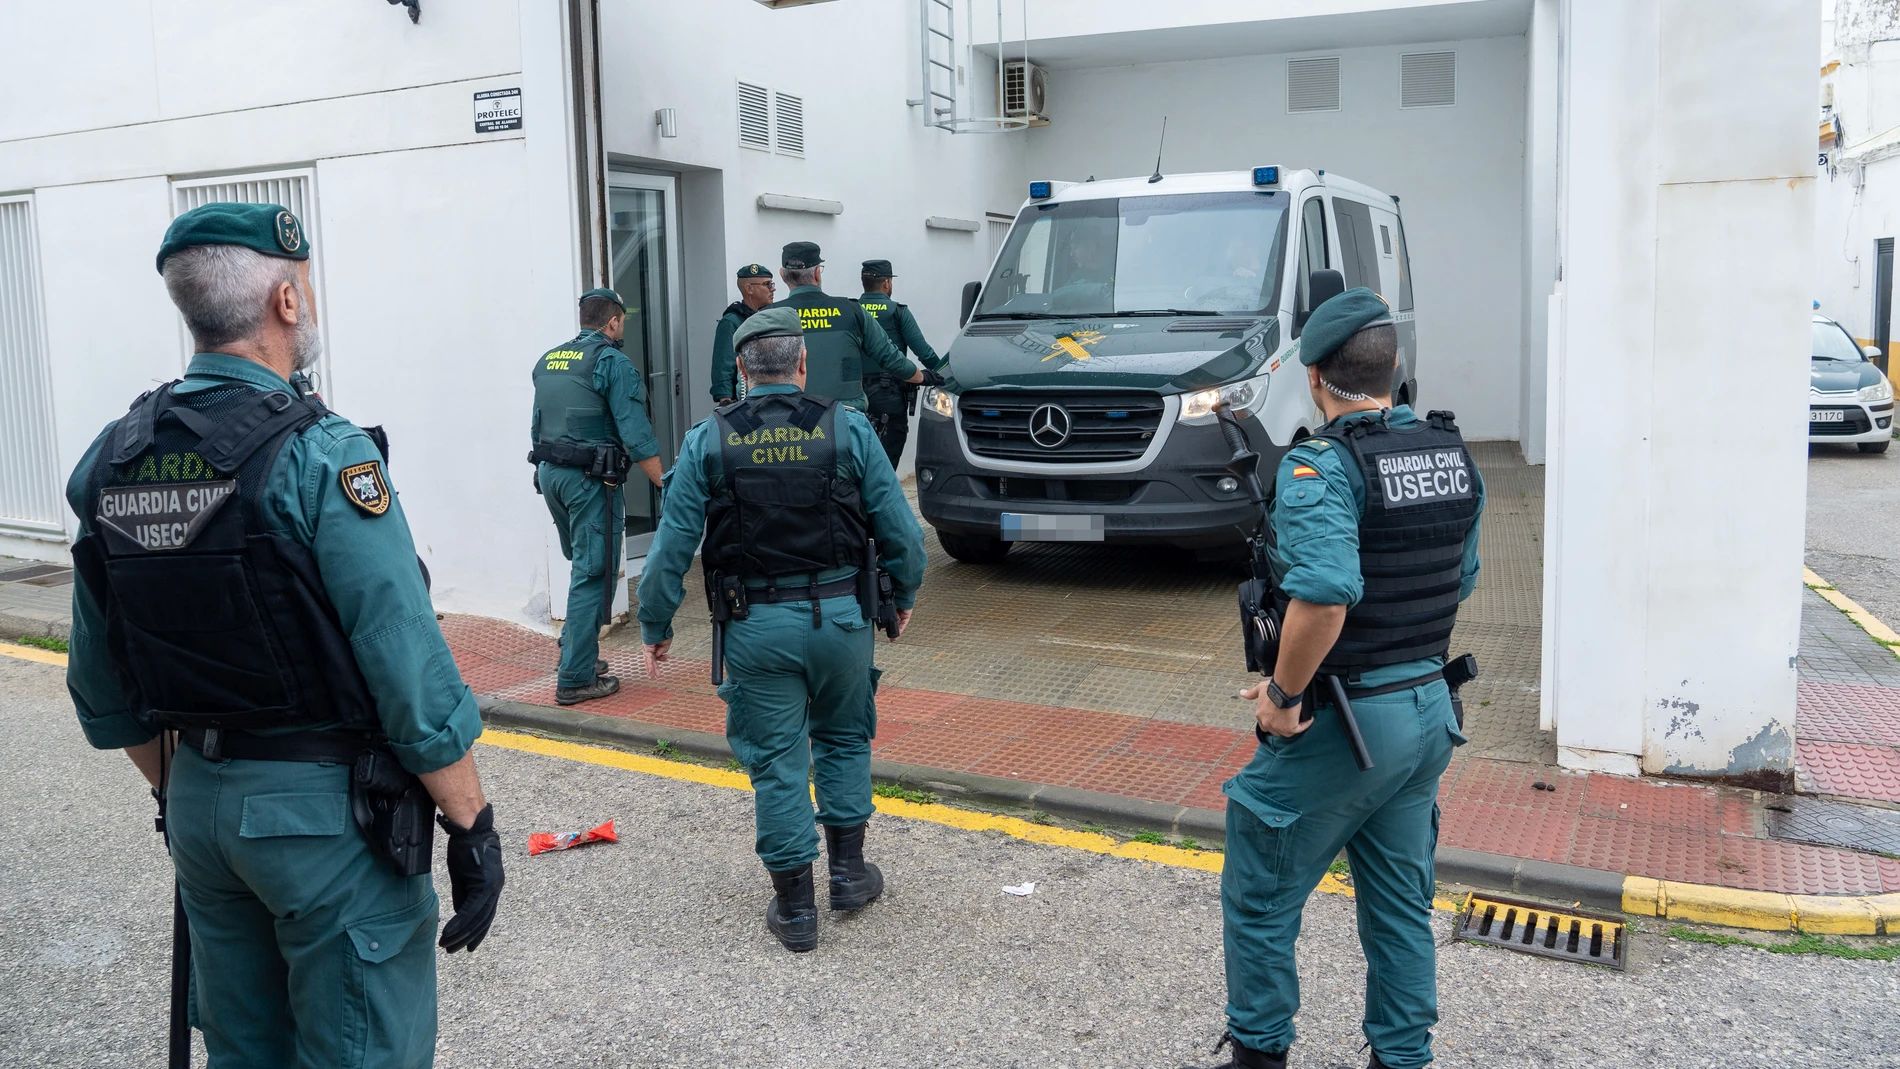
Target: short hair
x: 800, y: 276
x: 596, y: 312
x: 773, y: 358
x: 1363, y: 364
x: 223, y: 291
x: 871, y: 281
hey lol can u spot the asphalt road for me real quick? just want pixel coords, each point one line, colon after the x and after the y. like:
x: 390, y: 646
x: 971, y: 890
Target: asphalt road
x: 1854, y: 525
x: 651, y: 952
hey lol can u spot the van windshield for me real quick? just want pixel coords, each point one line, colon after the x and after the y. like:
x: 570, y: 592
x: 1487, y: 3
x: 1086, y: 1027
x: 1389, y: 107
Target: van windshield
x: 1191, y: 253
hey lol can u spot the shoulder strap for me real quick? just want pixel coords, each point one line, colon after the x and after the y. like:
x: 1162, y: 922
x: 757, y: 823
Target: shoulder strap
x: 237, y: 437
x: 1442, y: 420
x: 810, y: 412
x: 139, y: 425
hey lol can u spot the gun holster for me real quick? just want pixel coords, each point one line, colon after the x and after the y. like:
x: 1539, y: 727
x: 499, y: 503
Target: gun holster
x: 886, y: 603
x: 394, y: 812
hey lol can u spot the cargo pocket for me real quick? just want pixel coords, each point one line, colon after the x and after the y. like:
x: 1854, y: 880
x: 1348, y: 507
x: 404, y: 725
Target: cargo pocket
x: 1258, y: 836
x: 390, y: 987
x: 270, y: 816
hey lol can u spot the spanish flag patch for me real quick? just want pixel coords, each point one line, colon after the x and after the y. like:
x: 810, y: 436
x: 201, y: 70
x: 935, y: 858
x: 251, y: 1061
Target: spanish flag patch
x: 1304, y: 471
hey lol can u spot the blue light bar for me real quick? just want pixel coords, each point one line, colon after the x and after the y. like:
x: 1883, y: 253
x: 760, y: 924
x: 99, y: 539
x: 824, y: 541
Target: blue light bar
x: 1039, y: 190
x: 1266, y: 176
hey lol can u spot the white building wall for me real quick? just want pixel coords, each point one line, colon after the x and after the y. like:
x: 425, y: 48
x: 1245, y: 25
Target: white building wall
x: 1458, y: 172
x: 1673, y: 616
x: 1858, y: 197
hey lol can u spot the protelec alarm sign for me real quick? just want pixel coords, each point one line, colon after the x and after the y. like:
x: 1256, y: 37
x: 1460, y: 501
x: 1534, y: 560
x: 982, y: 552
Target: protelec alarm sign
x: 497, y: 110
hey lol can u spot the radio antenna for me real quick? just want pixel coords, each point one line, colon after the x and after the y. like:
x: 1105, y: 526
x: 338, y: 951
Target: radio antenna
x: 1156, y: 177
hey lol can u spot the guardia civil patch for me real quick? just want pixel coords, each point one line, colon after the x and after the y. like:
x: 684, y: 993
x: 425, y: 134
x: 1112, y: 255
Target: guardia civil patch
x: 289, y: 234
x: 366, y: 488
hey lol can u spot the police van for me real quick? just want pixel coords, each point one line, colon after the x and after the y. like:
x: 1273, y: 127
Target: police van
x: 1117, y: 316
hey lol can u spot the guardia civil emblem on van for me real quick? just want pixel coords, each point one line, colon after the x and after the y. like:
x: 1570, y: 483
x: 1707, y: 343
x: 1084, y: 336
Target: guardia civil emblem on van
x: 364, y: 485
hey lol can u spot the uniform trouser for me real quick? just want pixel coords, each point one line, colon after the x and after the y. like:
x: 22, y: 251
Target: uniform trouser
x: 1289, y: 812
x: 800, y: 711
x: 884, y: 400
x: 307, y: 950
x: 592, y: 520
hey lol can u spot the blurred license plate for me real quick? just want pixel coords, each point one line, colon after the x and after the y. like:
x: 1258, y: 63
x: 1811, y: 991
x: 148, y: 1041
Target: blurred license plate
x: 1826, y: 415
x: 1031, y: 527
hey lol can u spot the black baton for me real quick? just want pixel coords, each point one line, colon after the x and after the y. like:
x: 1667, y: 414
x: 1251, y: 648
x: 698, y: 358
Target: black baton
x: 180, y: 1057
x: 1360, y: 754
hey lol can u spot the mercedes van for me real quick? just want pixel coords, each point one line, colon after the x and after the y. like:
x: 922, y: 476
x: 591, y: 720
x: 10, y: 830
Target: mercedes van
x: 1118, y: 315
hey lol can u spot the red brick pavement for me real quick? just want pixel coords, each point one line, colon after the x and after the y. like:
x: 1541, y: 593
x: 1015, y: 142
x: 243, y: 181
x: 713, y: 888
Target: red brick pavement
x: 1645, y: 827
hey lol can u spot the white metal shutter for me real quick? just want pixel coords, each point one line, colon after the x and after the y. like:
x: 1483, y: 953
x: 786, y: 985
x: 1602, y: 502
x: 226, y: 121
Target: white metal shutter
x: 294, y: 189
x: 29, y: 469
x: 755, y: 117
x: 1312, y: 84
x: 1428, y: 80
x: 789, y: 123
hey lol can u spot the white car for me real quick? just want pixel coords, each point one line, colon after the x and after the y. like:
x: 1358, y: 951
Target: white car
x: 1849, y: 400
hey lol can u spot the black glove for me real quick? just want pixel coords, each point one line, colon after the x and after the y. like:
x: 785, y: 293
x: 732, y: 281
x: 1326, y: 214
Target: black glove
x: 474, y: 857
x: 932, y: 378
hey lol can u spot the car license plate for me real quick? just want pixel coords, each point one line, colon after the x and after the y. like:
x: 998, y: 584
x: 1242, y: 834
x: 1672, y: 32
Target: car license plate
x: 1826, y: 415
x: 1036, y: 527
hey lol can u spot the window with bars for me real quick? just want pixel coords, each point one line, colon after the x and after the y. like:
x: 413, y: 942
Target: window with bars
x: 1428, y: 79
x: 1312, y: 84
x: 755, y: 117
x: 789, y: 124
x: 29, y: 470
x: 294, y: 189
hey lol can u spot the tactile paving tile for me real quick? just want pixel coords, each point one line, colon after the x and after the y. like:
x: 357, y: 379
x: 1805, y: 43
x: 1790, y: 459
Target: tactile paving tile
x: 1845, y: 712
x: 1848, y: 770
x: 1471, y: 824
x: 1676, y: 805
x: 1155, y: 779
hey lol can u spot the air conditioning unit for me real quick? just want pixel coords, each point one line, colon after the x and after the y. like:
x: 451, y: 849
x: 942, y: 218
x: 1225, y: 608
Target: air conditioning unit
x: 1025, y: 91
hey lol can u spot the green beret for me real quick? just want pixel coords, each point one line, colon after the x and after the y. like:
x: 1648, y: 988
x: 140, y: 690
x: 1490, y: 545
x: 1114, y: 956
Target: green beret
x: 878, y: 269
x: 768, y: 323
x: 801, y: 255
x: 754, y: 271
x: 1338, y: 319
x: 267, y: 228
x: 605, y: 294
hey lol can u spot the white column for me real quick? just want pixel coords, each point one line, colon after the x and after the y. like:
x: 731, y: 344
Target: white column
x: 1678, y: 460
x: 1540, y: 220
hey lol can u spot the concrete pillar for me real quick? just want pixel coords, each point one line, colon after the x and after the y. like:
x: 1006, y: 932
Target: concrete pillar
x: 1678, y: 465
x: 1540, y: 220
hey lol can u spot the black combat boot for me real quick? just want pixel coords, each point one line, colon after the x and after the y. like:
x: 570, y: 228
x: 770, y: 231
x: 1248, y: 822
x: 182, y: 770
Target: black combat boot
x: 855, y: 882
x: 793, y: 914
x: 1247, y: 1057
x: 1375, y: 1063
x: 599, y: 688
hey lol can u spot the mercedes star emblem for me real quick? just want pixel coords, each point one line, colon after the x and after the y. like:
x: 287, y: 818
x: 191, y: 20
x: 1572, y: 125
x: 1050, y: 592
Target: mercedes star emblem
x: 1049, y: 426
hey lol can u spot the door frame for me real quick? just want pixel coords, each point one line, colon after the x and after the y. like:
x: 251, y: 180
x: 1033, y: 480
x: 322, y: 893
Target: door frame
x: 672, y: 392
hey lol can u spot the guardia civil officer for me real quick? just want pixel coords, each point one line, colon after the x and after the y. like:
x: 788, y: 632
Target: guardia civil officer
x: 885, y: 394
x: 1375, y: 541
x: 590, y: 428
x: 250, y: 625
x: 755, y: 292
x: 843, y: 339
x: 787, y: 488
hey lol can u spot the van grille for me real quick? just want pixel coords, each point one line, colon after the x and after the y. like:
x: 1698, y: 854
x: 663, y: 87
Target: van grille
x: 1103, y: 427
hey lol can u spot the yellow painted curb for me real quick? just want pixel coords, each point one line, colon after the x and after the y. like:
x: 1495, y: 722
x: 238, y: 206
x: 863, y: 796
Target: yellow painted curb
x: 1762, y: 911
x: 32, y: 653
x: 1866, y: 621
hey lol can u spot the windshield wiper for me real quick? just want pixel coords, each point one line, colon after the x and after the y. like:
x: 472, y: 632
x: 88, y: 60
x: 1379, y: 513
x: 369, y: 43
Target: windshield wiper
x: 1169, y: 312
x: 1023, y: 315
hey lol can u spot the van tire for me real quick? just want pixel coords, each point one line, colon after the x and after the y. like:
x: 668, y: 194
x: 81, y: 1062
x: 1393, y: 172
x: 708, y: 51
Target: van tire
x: 1875, y: 447
x: 973, y: 549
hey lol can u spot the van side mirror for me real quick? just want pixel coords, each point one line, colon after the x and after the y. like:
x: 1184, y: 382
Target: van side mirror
x: 1871, y: 352
x: 971, y: 290
x: 1321, y: 286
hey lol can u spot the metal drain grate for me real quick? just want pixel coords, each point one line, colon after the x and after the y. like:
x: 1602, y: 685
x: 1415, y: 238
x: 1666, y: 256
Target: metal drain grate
x: 1541, y: 930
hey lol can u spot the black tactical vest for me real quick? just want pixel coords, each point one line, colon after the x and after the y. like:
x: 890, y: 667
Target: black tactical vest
x: 218, y: 621
x: 884, y: 310
x: 571, y: 409
x: 834, y: 344
x: 1421, y: 500
x: 779, y: 506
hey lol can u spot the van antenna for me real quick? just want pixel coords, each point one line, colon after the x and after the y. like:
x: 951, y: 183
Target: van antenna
x: 1156, y: 177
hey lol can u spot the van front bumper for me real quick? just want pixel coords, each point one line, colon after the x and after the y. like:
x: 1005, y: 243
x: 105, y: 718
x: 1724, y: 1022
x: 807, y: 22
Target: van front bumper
x: 1176, y: 500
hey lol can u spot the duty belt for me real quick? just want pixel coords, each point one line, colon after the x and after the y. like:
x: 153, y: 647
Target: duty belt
x: 773, y: 595
x: 332, y: 747
x: 1432, y: 676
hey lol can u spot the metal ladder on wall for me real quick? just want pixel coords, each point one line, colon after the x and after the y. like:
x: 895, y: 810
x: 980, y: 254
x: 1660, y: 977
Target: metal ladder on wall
x: 941, y: 105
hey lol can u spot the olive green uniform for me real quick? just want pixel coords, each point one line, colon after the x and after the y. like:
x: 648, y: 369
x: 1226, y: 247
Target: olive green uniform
x: 800, y: 700
x: 884, y: 393
x: 307, y: 948
x: 842, y: 343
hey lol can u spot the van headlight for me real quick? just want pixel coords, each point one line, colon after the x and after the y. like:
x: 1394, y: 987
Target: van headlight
x: 1238, y: 397
x: 940, y: 401
x: 1879, y: 391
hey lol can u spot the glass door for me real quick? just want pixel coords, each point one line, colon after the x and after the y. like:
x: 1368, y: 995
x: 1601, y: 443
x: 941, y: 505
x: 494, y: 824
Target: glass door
x: 643, y: 234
